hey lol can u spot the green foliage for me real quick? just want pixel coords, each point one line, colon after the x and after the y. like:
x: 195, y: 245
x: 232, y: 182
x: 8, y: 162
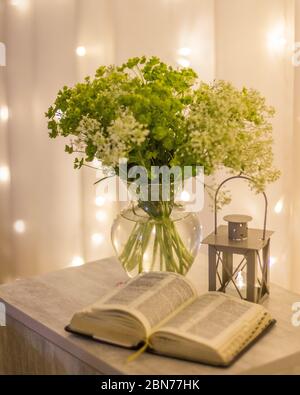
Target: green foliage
x: 154, y: 115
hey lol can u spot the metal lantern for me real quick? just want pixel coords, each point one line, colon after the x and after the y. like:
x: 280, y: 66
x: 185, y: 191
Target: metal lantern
x: 249, y: 277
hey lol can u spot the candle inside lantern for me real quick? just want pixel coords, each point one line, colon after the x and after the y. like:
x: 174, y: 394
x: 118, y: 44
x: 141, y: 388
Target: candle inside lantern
x: 240, y: 282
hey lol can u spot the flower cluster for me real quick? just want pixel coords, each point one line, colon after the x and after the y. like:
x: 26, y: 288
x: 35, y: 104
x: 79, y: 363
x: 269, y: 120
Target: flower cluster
x: 123, y: 134
x: 155, y: 115
x: 114, y: 143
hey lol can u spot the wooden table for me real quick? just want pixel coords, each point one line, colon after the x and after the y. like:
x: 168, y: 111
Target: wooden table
x: 34, y: 340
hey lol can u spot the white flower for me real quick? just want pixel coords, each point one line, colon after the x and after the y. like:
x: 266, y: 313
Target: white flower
x: 113, y: 143
x: 119, y: 138
x: 88, y: 125
x: 126, y: 129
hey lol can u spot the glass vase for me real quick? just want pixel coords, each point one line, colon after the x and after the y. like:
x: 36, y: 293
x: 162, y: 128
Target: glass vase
x: 156, y: 236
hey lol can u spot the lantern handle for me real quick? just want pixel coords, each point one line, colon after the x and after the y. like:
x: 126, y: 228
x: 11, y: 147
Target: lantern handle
x: 244, y: 178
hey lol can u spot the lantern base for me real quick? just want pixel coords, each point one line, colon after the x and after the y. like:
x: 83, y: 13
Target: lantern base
x: 231, y: 290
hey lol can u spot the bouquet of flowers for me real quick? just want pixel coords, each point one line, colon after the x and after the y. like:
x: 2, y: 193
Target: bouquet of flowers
x: 152, y: 114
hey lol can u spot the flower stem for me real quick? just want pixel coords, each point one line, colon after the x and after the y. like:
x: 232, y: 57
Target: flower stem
x: 157, y: 237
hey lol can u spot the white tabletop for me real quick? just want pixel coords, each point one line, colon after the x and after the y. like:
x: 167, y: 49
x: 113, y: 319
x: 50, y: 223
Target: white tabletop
x: 46, y: 304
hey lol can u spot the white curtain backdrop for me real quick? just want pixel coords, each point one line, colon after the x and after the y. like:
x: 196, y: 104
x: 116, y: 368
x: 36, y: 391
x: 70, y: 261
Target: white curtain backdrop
x: 249, y: 42
x: 254, y: 41
x: 44, y: 201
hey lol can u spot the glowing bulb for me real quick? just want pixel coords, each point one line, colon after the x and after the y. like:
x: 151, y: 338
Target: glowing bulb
x: 16, y: 3
x: 101, y: 215
x: 185, y: 51
x: 22, y: 4
x: 240, y: 280
x: 277, y: 40
x: 77, y: 261
x: 185, y: 196
x: 4, y: 113
x: 183, y: 62
x: 100, y: 200
x: 278, y: 206
x: 273, y: 260
x: 4, y: 174
x: 97, y: 238
x: 19, y: 226
x: 81, y: 51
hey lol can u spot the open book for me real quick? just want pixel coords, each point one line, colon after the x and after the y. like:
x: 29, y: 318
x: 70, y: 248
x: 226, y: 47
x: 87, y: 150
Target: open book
x: 164, y: 311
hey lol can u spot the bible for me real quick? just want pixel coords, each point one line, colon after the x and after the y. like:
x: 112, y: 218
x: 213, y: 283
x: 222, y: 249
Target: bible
x: 164, y: 312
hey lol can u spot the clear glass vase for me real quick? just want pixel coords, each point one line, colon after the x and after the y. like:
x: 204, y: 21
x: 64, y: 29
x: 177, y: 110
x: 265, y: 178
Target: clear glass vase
x: 156, y: 236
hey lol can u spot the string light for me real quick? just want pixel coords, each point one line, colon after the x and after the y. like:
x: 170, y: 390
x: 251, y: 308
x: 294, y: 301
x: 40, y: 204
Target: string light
x: 277, y: 40
x: 21, y: 4
x: 77, y: 261
x: 101, y: 215
x: 4, y: 113
x: 100, y: 200
x: 19, y: 226
x: 97, y: 238
x: 278, y: 206
x: 273, y: 260
x: 80, y: 51
x: 185, y: 51
x: 183, y: 62
x: 185, y: 196
x: 4, y: 174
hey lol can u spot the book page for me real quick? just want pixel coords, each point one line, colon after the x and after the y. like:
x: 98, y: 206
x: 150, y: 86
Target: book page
x: 212, y: 318
x: 151, y: 297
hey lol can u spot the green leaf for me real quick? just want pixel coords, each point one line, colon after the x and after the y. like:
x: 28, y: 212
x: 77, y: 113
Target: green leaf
x: 69, y: 149
x: 160, y: 132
